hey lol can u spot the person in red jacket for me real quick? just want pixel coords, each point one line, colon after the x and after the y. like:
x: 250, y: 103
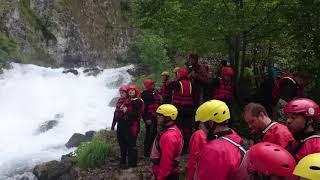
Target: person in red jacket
x: 165, y: 94
x: 221, y: 157
x: 197, y: 142
x: 303, y: 122
x: 182, y: 98
x: 285, y: 89
x: 264, y: 129
x: 199, y: 76
x: 223, y: 86
x: 151, y: 99
x: 270, y: 161
x: 132, y: 110
x: 167, y: 147
x: 118, y: 114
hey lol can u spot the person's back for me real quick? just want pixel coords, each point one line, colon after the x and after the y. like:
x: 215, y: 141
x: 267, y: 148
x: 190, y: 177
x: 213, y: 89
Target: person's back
x: 220, y: 159
x: 166, y: 153
x: 197, y: 142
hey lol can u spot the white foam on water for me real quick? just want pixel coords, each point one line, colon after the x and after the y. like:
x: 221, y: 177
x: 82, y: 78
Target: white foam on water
x: 31, y: 95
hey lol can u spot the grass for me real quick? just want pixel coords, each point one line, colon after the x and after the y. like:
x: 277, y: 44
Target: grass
x: 95, y: 153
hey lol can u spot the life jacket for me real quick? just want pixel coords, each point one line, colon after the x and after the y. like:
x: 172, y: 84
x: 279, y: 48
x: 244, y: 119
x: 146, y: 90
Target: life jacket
x: 300, y: 144
x: 155, y: 156
x: 130, y: 108
x: 183, y: 96
x: 152, y: 107
x: 224, y: 91
x: 276, y: 88
x: 118, y: 112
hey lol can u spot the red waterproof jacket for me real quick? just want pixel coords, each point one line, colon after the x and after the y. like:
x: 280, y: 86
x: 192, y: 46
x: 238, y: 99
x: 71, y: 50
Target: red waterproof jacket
x: 166, y: 95
x: 118, y: 113
x: 278, y: 134
x: 197, y: 142
x: 151, y: 99
x: 309, y: 145
x: 220, y: 159
x: 166, y: 151
x: 133, y: 114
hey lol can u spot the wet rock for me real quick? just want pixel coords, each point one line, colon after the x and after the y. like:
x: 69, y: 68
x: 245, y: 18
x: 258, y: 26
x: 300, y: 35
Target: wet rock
x: 137, y: 71
x: 73, y: 71
x: 77, y: 138
x: 46, y: 126
x: 51, y: 170
x: 92, y: 71
x: 118, y: 82
x: 113, y: 102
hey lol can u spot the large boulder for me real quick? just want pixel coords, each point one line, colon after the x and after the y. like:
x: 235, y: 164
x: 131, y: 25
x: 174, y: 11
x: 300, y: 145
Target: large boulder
x: 77, y: 138
x: 118, y: 81
x: 113, y: 102
x: 55, y: 170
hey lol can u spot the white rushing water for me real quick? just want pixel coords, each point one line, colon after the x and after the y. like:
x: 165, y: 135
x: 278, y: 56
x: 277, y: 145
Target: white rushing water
x: 31, y: 95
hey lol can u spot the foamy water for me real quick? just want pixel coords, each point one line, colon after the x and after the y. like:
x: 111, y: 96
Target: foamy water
x: 31, y: 95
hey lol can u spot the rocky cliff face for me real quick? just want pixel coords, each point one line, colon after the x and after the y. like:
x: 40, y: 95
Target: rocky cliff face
x: 67, y: 32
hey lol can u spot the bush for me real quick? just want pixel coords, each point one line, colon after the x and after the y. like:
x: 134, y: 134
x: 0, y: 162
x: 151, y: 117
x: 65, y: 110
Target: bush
x: 153, y: 53
x: 93, y: 154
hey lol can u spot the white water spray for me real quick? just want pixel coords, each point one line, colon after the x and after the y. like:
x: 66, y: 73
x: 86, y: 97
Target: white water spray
x: 31, y: 95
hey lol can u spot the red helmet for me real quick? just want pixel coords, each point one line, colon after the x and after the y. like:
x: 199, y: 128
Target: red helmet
x: 228, y: 71
x: 123, y: 88
x: 148, y: 83
x: 271, y: 159
x: 304, y: 106
x: 135, y: 87
x: 182, y: 73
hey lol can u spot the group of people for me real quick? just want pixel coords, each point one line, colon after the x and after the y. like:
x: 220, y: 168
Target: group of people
x: 191, y: 114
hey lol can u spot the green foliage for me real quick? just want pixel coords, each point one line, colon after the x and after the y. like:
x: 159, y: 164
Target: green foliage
x: 7, y: 48
x: 153, y: 53
x: 93, y: 154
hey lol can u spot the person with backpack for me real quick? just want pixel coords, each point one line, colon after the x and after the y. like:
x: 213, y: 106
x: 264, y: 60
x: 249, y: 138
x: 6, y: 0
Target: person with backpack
x: 269, y: 161
x: 165, y: 94
x: 167, y: 147
x: 182, y: 98
x: 264, y: 129
x: 151, y: 99
x: 303, y: 121
x: 132, y: 110
x: 308, y: 167
x: 221, y: 157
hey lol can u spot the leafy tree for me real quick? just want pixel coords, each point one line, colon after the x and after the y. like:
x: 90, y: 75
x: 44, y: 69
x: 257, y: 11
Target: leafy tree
x: 7, y: 48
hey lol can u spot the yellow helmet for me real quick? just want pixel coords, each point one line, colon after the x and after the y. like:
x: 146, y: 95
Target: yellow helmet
x: 168, y: 110
x: 213, y: 110
x: 165, y: 73
x: 308, y: 167
x: 176, y: 69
